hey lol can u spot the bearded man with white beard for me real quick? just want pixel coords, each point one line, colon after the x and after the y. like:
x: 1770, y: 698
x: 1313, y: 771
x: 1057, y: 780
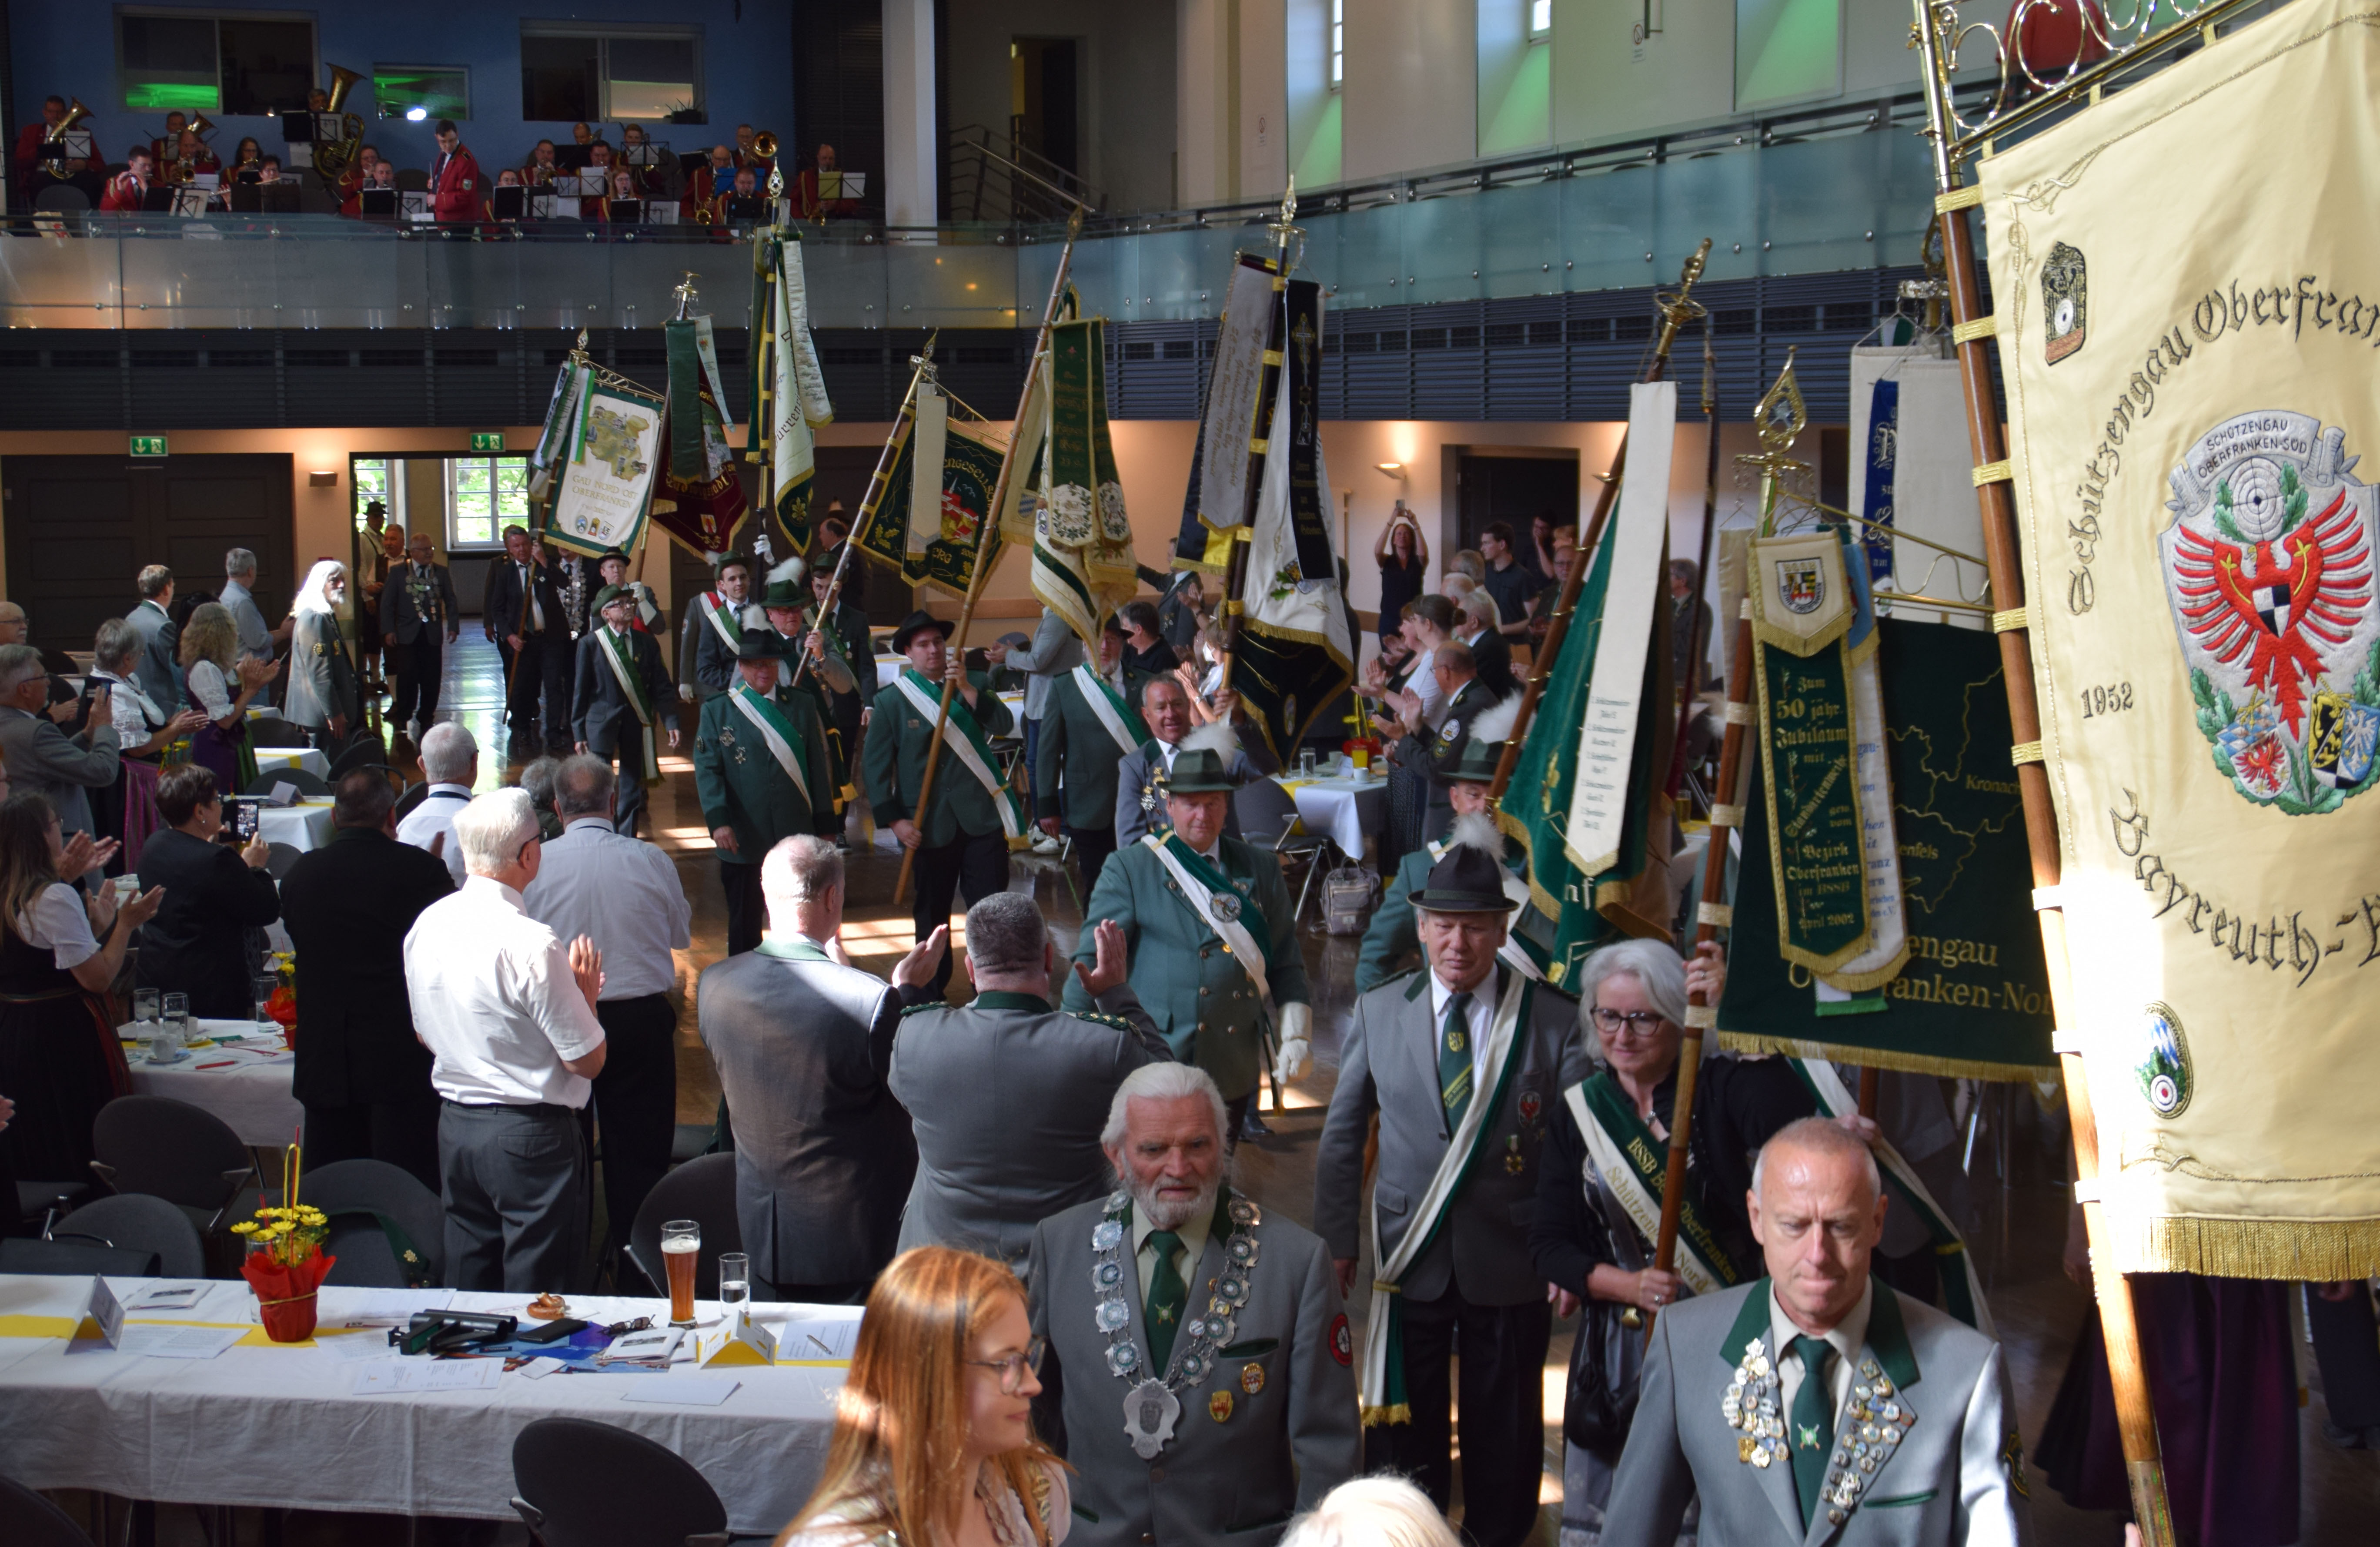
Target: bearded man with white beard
x: 1198, y: 1368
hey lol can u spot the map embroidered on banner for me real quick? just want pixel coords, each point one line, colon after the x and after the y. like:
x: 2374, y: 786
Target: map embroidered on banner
x: 2268, y: 568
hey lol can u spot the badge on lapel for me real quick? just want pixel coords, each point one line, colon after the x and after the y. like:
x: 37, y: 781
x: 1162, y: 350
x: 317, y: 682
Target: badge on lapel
x: 1219, y: 1405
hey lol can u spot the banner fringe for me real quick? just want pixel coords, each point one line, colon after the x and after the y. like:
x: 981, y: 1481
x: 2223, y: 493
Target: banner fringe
x: 2312, y: 1251
x: 1879, y: 1058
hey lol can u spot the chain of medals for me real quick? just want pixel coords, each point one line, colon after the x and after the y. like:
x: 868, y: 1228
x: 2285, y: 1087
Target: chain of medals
x: 1875, y: 1420
x: 1151, y: 1404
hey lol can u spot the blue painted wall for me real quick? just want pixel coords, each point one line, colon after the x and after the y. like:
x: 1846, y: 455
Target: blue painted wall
x: 68, y: 47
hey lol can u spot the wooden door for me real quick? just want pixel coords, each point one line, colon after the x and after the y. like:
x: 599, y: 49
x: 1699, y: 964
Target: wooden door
x: 81, y: 528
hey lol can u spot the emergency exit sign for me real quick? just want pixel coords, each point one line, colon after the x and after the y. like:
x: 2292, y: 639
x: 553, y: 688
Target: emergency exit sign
x: 147, y: 445
x: 480, y: 442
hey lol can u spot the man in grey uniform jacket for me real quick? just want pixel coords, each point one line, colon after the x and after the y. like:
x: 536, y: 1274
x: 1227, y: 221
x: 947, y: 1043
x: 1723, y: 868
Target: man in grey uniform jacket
x: 803, y: 1038
x: 1464, y: 1061
x: 1214, y: 1328
x: 1820, y: 1406
x: 1006, y: 1093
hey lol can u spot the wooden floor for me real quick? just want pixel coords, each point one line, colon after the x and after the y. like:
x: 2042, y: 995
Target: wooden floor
x: 2017, y: 1234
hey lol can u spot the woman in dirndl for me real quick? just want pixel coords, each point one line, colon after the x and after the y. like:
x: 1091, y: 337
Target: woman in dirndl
x: 60, y: 1061
x: 127, y: 811
x: 1592, y: 1234
x: 221, y: 683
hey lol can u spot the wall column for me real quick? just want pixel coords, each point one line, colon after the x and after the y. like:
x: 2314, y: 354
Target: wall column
x: 912, y: 137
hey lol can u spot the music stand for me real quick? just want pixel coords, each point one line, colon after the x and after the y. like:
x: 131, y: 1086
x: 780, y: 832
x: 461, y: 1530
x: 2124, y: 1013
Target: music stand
x: 508, y: 203
x: 414, y: 203
x: 379, y: 202
x: 157, y: 200
x: 298, y: 128
x: 626, y: 211
x: 571, y: 158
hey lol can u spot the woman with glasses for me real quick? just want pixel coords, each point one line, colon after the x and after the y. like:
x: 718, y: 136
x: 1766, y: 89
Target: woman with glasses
x: 933, y: 1441
x: 1597, y: 1212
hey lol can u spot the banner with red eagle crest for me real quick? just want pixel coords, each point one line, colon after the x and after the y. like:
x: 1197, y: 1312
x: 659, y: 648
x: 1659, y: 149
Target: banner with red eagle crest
x: 2188, y: 344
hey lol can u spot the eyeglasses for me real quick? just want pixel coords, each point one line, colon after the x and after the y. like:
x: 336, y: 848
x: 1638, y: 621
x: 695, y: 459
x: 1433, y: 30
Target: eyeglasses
x: 1013, y: 1369
x: 1637, y: 1023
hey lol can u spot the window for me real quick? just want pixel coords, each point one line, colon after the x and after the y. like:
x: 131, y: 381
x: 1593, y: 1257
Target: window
x: 572, y: 75
x: 1338, y: 43
x: 418, y: 91
x: 377, y: 478
x: 230, y: 62
x: 1541, y: 19
x: 483, y: 495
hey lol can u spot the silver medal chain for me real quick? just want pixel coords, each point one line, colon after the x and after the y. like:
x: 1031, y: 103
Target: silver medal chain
x: 1203, y: 1333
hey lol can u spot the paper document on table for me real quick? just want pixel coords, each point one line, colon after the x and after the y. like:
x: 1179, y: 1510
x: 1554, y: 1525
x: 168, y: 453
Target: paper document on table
x: 408, y: 1375
x: 655, y: 1347
x: 178, y: 1343
x: 371, y: 1343
x: 809, y: 1341
x: 180, y: 1295
x: 692, y: 1391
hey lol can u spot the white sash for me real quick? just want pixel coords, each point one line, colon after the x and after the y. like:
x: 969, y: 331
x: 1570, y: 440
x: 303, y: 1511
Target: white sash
x: 778, y: 746
x: 1509, y: 952
x: 1095, y: 693
x: 1643, y: 1209
x: 985, y: 775
x: 715, y: 609
x: 630, y: 688
x: 1244, y: 946
x: 1503, y: 1045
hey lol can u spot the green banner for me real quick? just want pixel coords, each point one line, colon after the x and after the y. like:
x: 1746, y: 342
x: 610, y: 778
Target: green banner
x: 687, y: 461
x: 1812, y: 798
x: 970, y: 471
x: 1974, y: 1000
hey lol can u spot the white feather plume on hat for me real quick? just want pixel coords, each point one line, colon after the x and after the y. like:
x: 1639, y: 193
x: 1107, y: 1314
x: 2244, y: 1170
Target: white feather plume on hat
x: 1477, y: 829
x: 788, y: 573
x: 754, y: 616
x: 1216, y: 737
x: 1495, y: 723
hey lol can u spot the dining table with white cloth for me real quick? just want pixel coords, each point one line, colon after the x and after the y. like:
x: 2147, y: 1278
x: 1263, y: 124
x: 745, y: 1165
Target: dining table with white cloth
x: 303, y: 826
x: 246, y: 1082
x: 1342, y: 810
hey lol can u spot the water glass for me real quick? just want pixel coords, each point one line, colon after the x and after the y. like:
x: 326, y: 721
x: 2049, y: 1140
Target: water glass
x: 734, y: 1286
x: 265, y: 985
x: 178, y: 1014
x: 1305, y: 762
x: 144, y: 1006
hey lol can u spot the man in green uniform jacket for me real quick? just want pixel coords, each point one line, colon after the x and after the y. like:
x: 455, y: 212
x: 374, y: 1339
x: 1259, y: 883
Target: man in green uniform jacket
x: 964, y: 837
x: 1212, y: 931
x: 1088, y: 726
x: 763, y: 772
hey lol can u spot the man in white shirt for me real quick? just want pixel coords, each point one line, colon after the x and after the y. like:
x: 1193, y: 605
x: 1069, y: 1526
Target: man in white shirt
x: 256, y: 640
x: 450, y: 762
x: 508, y: 1015
x: 625, y: 894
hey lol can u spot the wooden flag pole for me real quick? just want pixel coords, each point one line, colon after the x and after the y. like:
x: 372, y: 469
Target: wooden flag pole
x: 1934, y: 36
x: 920, y: 366
x: 1675, y: 312
x: 988, y: 538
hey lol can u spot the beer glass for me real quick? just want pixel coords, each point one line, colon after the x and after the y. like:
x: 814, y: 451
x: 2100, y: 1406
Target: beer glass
x: 681, y: 1238
x: 734, y: 1286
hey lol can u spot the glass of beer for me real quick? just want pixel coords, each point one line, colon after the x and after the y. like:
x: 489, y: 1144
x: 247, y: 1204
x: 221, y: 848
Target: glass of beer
x: 681, y: 1238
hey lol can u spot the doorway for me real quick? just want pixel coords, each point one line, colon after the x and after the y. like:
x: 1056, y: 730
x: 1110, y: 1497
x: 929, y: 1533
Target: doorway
x: 1513, y: 484
x: 1044, y: 94
x: 81, y: 528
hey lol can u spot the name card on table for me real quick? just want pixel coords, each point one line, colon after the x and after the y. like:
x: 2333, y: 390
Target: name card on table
x: 741, y: 1341
x: 104, y: 1317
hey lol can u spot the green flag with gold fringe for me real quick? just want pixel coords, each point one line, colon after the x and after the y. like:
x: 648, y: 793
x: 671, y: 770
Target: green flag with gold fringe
x: 927, y: 525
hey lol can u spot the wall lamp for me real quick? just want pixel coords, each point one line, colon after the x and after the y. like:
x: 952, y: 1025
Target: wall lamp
x: 1395, y: 469
x: 323, y: 477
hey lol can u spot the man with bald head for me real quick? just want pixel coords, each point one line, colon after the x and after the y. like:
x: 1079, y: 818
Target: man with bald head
x: 1847, y: 1412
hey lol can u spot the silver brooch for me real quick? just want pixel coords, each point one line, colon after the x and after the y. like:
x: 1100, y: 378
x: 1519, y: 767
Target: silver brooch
x: 1106, y: 1236
x: 1111, y: 1315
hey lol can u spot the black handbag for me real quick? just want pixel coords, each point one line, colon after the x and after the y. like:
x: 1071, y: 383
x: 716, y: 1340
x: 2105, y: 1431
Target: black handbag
x: 1594, y: 1416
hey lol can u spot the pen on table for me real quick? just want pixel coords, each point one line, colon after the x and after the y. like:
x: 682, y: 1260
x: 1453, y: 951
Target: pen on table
x: 224, y: 1063
x: 820, y: 1347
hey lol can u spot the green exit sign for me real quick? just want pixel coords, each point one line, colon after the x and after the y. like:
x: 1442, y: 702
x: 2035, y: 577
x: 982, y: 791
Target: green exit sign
x: 147, y: 445
x: 494, y: 442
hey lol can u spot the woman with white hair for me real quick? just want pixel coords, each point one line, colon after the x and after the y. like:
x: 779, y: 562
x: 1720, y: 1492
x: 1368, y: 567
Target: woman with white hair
x: 1599, y: 1198
x: 1385, y: 1511
x: 322, y: 696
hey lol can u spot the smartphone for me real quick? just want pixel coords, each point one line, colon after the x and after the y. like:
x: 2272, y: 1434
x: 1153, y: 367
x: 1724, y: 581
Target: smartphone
x: 245, y: 815
x: 552, y: 1331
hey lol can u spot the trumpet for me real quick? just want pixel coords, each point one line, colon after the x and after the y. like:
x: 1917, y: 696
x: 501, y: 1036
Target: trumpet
x: 56, y: 133
x: 335, y: 159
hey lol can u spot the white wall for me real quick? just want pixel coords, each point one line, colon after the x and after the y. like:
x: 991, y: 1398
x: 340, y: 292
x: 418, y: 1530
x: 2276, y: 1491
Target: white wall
x: 1126, y: 64
x: 1412, y: 88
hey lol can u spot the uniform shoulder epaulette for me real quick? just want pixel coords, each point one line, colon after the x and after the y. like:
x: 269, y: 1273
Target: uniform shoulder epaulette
x: 909, y: 1010
x: 1119, y: 1022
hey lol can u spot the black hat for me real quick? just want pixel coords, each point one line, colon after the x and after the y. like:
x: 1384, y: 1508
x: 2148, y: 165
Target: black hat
x: 1203, y: 765
x: 1465, y: 879
x: 760, y: 644
x: 610, y: 553
x: 918, y: 623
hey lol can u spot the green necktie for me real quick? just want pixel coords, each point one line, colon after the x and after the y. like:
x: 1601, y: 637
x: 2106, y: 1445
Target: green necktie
x: 1162, y: 1317
x: 1813, y: 1430
x: 1454, y: 1059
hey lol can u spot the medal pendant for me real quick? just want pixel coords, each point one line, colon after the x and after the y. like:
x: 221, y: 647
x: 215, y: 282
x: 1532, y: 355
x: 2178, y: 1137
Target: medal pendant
x: 1149, y: 1412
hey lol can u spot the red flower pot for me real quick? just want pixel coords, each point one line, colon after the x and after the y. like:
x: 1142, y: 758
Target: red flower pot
x: 285, y: 1292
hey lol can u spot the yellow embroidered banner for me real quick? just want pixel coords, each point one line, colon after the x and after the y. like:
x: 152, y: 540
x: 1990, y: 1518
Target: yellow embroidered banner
x: 2187, y: 304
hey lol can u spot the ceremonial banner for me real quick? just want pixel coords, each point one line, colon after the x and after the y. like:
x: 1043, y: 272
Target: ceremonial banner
x: 1916, y: 458
x: 608, y: 455
x: 1973, y: 999
x: 2188, y: 343
x: 970, y: 469
x: 701, y: 499
x: 1295, y: 652
x: 1585, y: 910
x: 789, y: 398
x: 1082, y: 539
x: 1239, y: 398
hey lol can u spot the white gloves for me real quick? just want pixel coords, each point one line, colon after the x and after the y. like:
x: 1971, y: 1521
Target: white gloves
x: 1296, y: 1042
x: 686, y: 692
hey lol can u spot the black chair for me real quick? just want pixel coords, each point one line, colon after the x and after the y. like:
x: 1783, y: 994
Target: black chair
x: 137, y: 1222
x: 27, y: 1520
x: 366, y: 753
x: 414, y: 796
x: 279, y: 858
x: 377, y: 1212
x: 587, y: 1484
x: 62, y: 198
x: 298, y: 779
x: 174, y: 1151
x: 1268, y: 814
x: 75, y: 1260
x: 43, y: 1203
x: 704, y: 1191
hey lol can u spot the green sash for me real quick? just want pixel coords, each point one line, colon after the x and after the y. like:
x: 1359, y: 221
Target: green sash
x: 1635, y: 1165
x: 622, y: 656
x: 785, y: 743
x: 966, y: 739
x: 1238, y: 922
x: 722, y: 617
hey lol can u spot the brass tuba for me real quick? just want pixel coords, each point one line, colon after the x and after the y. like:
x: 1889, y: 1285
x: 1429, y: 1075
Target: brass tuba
x: 334, y: 160
x: 56, y: 133
x: 764, y: 145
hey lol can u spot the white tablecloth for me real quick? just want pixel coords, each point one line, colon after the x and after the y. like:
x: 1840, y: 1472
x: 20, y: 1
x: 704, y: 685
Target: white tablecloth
x: 302, y: 827
x: 1344, y: 809
x: 265, y: 1424
x: 310, y: 758
x: 247, y: 1085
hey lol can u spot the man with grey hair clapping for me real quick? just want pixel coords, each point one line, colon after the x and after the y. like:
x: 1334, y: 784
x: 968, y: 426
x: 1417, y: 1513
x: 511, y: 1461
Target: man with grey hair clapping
x: 508, y: 1014
x: 1006, y: 1093
x: 1121, y: 1293
x: 450, y: 766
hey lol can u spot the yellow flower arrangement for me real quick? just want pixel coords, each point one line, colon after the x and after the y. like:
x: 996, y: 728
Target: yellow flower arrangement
x: 288, y: 1236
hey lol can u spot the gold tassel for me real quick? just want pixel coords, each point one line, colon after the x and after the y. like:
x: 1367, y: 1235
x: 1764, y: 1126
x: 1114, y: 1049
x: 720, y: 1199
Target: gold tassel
x: 2314, y: 1251
x: 1909, y: 1063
